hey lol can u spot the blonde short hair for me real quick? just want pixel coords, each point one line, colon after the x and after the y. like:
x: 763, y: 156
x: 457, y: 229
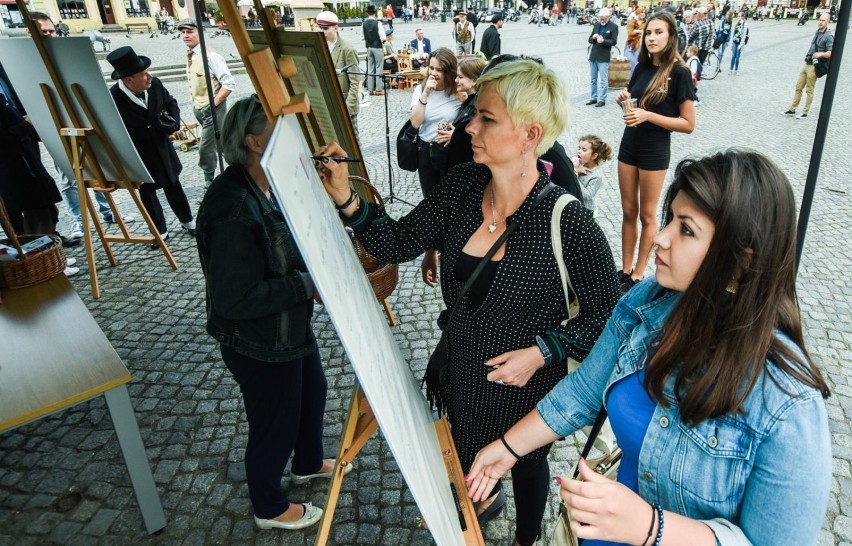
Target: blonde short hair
x: 533, y: 94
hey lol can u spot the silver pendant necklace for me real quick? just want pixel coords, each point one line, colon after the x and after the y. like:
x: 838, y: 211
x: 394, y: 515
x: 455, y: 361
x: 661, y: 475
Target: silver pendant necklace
x: 492, y: 227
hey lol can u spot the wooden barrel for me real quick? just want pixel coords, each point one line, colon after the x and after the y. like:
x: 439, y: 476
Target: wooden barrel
x: 619, y: 73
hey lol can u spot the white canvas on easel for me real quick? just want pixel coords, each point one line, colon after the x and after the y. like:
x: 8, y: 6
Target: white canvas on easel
x: 396, y: 400
x: 75, y: 61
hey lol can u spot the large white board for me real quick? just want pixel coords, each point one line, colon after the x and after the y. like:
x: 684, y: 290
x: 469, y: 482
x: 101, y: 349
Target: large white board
x: 398, y: 404
x: 75, y: 62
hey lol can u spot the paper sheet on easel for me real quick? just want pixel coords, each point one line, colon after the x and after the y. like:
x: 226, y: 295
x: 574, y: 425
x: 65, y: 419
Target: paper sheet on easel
x: 75, y: 61
x: 396, y: 400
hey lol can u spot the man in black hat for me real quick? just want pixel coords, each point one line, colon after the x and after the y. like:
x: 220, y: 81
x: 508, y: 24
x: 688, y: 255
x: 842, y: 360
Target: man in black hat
x: 151, y: 114
x: 464, y: 33
x: 223, y: 84
x: 374, y: 35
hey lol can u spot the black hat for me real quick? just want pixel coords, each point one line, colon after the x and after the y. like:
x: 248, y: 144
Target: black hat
x: 126, y: 62
x: 371, y: 9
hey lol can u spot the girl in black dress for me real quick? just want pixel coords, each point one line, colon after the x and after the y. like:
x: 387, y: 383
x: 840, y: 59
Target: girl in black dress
x: 663, y: 86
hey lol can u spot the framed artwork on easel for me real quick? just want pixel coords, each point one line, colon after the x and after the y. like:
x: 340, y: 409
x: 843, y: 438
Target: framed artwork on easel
x: 316, y: 77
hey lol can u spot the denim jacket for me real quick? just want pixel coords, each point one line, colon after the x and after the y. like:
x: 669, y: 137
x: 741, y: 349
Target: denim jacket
x: 259, y: 294
x: 758, y: 477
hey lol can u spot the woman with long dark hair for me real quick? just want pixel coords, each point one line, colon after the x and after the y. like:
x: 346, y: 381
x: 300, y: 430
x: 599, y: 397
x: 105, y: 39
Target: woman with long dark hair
x: 434, y: 105
x: 663, y: 86
x: 704, y: 374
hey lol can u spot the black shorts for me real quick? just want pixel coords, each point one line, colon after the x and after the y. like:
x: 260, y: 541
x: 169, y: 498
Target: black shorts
x: 649, y: 152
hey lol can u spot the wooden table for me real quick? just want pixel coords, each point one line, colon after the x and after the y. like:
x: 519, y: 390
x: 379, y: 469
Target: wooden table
x: 53, y: 355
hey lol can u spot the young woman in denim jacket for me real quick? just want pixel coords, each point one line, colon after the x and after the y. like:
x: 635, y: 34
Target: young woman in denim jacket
x: 259, y: 308
x: 703, y: 371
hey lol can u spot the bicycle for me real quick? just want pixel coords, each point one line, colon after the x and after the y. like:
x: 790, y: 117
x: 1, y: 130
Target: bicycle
x: 710, y: 68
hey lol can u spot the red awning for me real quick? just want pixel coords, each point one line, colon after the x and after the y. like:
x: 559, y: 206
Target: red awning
x: 7, y: 1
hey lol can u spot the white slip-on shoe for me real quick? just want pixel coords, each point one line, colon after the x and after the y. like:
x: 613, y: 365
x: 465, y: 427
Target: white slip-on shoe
x: 311, y: 516
x: 301, y: 480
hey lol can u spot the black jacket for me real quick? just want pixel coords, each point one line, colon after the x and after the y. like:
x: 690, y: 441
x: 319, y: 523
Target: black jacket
x: 600, y: 53
x: 490, y: 42
x: 24, y: 182
x: 259, y: 294
x: 150, y: 134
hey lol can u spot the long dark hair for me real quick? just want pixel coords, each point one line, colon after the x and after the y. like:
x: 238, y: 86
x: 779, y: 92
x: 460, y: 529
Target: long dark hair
x: 715, y: 343
x: 658, y: 88
x: 449, y: 65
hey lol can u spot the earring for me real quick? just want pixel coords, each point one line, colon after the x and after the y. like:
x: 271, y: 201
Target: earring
x: 733, y: 284
x: 523, y: 163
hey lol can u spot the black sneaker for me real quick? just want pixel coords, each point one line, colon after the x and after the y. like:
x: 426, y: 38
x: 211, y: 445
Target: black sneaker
x: 69, y: 243
x: 789, y: 113
x: 802, y: 116
x: 628, y: 284
x: 622, y: 276
x: 600, y: 104
x: 591, y: 102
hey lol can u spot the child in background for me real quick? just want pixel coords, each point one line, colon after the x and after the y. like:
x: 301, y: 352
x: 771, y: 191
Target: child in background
x: 694, y: 64
x: 591, y: 151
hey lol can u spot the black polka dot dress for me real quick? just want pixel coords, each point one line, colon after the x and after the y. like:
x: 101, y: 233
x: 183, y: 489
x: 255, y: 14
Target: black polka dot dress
x: 524, y: 300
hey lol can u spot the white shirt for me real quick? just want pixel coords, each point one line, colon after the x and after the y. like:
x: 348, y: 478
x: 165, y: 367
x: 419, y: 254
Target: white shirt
x: 132, y: 95
x: 440, y: 107
x: 218, y: 67
x: 421, y: 45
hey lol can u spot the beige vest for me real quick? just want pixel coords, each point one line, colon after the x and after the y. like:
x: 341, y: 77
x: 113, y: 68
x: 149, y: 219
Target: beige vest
x: 198, y: 84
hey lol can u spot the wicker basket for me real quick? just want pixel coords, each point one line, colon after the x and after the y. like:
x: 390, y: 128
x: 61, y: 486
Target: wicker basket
x: 32, y: 268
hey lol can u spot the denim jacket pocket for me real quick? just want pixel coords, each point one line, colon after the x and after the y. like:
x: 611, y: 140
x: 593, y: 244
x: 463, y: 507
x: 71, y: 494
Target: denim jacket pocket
x: 711, y: 465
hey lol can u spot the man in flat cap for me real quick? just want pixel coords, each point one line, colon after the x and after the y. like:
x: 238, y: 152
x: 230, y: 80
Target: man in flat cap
x: 345, y: 60
x: 223, y: 85
x: 151, y: 114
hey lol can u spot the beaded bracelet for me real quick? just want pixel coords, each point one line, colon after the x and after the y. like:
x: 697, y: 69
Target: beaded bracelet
x: 349, y: 201
x: 651, y: 528
x: 512, y: 451
x: 660, y: 527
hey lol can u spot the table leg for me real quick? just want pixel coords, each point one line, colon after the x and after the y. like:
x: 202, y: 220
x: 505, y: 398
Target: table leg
x: 133, y: 450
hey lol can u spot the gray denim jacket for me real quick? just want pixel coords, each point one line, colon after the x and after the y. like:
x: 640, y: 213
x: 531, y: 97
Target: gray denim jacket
x: 760, y: 477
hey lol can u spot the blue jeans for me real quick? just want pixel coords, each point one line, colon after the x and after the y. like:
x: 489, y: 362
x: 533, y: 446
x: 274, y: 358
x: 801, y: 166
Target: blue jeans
x: 285, y: 403
x: 736, y: 51
x: 722, y: 49
x: 68, y: 188
x: 600, y: 80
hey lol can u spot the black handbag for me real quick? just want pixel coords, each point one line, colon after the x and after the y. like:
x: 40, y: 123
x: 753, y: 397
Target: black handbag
x: 406, y: 147
x: 821, y: 67
x: 433, y: 379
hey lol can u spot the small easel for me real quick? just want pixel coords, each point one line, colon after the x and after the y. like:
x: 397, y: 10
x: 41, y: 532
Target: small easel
x: 270, y: 75
x: 78, y: 146
x: 360, y: 426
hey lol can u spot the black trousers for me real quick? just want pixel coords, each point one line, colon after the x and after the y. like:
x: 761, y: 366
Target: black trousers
x: 177, y: 201
x: 530, y: 484
x: 285, y: 403
x: 431, y: 165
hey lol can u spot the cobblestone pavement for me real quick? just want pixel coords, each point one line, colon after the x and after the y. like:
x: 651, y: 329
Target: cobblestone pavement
x: 62, y: 479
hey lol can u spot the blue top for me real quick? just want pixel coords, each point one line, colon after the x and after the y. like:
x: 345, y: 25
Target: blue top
x: 631, y: 411
x: 741, y: 473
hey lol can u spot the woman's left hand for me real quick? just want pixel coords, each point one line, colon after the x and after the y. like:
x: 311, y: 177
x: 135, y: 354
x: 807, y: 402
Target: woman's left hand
x: 334, y: 176
x: 636, y: 116
x: 607, y: 509
x: 515, y: 368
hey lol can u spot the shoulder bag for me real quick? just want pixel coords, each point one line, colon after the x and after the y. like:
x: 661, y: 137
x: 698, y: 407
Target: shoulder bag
x: 603, y: 438
x: 433, y: 379
x: 406, y: 147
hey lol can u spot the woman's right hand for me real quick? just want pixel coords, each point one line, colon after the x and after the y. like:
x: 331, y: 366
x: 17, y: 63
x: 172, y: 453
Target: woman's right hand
x: 622, y: 96
x: 334, y: 176
x: 431, y: 85
x: 490, y: 464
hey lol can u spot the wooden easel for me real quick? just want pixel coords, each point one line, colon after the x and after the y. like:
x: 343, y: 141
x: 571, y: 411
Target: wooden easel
x: 360, y: 426
x: 76, y: 141
x: 269, y: 74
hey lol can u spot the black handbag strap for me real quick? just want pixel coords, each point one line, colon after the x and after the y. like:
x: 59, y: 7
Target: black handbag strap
x: 493, y: 250
x: 593, y: 435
